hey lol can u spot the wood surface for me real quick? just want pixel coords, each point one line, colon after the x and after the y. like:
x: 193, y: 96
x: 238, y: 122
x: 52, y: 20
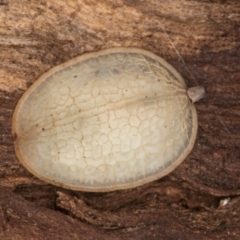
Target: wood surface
x: 201, y: 39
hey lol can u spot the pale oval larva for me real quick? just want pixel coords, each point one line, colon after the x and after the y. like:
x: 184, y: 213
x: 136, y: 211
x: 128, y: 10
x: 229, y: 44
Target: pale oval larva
x: 104, y: 121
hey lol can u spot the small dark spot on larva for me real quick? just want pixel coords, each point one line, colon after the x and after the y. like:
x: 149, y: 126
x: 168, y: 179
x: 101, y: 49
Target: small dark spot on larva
x: 43, y: 129
x: 75, y: 76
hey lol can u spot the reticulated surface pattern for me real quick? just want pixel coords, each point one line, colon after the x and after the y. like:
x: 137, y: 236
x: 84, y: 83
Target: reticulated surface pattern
x: 105, y: 121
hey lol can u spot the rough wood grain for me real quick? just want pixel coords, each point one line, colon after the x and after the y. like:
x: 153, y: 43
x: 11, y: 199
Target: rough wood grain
x: 187, y: 204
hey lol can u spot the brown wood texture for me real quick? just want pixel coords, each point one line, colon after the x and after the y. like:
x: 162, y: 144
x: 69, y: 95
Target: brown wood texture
x: 201, y: 39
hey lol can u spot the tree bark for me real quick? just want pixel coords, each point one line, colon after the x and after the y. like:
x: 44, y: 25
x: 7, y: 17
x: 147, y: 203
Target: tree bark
x: 201, y: 39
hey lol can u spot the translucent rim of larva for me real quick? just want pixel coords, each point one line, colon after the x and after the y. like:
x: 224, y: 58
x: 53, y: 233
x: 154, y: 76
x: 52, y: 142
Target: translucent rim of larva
x: 161, y: 174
